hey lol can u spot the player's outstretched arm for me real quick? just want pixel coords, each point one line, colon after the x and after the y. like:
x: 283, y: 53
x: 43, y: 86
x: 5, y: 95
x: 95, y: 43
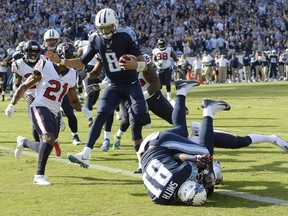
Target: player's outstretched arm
x: 72, y: 63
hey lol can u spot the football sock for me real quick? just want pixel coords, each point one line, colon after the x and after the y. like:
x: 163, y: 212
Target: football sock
x: 257, y: 138
x: 119, y: 133
x: 35, y: 146
x: 208, y: 112
x: 44, y: 152
x: 107, y: 135
x: 87, y: 152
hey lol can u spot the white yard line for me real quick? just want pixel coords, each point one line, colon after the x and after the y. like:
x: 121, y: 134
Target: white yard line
x: 243, y: 195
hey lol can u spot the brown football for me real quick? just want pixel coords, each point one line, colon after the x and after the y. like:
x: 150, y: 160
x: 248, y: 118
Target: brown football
x: 123, y: 58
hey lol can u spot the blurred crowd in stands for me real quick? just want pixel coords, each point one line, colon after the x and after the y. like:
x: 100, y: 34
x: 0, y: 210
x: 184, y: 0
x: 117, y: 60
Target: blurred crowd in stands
x: 190, y: 26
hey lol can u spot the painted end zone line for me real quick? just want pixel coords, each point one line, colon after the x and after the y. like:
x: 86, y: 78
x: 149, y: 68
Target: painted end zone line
x: 248, y: 196
x: 243, y: 195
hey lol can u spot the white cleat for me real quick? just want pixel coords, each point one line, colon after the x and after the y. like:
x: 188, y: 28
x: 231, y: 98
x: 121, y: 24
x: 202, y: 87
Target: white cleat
x: 41, y: 180
x: 281, y: 143
x: 19, y: 147
x: 79, y: 159
x: 215, y: 105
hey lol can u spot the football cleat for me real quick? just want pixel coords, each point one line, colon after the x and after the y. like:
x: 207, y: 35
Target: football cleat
x: 90, y: 122
x: 41, y: 180
x: 106, y: 145
x: 19, y: 147
x: 76, y: 140
x: 138, y: 171
x: 215, y: 106
x: 117, y: 142
x: 186, y: 84
x: 281, y: 143
x: 79, y: 159
x: 57, y: 149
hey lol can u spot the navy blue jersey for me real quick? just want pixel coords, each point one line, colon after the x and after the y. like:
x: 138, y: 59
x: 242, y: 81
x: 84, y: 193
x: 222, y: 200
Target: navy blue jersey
x: 110, y: 52
x: 163, y: 175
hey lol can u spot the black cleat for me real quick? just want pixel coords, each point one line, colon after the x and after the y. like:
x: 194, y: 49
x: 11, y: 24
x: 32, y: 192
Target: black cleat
x: 138, y: 171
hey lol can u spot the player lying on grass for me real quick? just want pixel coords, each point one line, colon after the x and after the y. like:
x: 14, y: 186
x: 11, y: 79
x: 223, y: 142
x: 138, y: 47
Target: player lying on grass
x: 175, y: 167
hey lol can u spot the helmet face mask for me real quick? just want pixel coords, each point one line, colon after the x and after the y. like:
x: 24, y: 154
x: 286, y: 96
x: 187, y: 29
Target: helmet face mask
x: 32, y: 51
x: 161, y: 44
x: 106, y: 22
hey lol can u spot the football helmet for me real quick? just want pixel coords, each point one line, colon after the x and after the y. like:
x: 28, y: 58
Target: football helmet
x: 161, y: 44
x: 66, y: 50
x: 77, y: 43
x: 51, y: 39
x: 192, y: 193
x: 32, y: 50
x: 106, y: 22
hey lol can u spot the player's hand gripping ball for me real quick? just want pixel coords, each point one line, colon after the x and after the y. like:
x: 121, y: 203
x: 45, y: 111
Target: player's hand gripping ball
x: 124, y: 58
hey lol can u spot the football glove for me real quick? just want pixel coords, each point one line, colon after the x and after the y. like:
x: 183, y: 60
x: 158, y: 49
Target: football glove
x: 92, y: 88
x: 9, y: 110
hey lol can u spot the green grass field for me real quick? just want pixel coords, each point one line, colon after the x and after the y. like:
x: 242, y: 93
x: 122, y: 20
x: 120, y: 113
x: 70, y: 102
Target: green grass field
x: 109, y: 186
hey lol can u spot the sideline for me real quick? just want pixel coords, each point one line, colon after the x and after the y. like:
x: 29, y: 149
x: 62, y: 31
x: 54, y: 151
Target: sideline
x: 243, y: 195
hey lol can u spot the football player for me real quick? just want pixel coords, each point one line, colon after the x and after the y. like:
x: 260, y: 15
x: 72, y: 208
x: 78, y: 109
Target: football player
x: 122, y: 77
x: 51, y: 40
x: 162, y: 58
x: 161, y: 152
x: 23, y: 68
x: 5, y: 63
x: 53, y: 83
x: 150, y: 85
x: 92, y: 97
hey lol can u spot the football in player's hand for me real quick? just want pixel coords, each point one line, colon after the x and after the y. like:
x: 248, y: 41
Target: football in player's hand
x: 124, y: 58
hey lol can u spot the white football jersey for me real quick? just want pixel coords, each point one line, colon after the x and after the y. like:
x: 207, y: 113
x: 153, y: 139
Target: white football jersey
x: 53, y: 86
x: 163, y: 57
x: 84, y: 45
x: 21, y: 68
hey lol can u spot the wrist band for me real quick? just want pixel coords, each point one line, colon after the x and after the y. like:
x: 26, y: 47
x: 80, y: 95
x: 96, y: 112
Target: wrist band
x: 191, y: 158
x: 141, y: 66
x: 62, y: 62
x: 146, y: 95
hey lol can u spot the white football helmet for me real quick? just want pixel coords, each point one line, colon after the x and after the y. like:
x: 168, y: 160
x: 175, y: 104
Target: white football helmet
x: 77, y: 43
x: 51, y: 39
x: 106, y: 22
x: 192, y: 193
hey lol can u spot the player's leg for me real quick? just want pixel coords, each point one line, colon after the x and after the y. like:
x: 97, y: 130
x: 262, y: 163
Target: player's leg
x: 72, y: 120
x: 124, y: 125
x: 108, y: 101
x: 107, y: 131
x: 160, y: 106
